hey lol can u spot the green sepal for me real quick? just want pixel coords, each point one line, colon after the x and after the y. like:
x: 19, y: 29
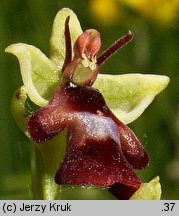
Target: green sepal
x: 148, y: 191
x: 129, y: 95
x: 40, y: 75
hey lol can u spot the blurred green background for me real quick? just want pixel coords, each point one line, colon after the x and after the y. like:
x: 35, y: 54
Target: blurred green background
x: 155, y: 49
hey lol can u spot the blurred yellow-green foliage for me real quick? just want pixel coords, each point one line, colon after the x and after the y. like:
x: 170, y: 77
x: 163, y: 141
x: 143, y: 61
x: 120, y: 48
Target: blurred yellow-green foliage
x: 155, y: 49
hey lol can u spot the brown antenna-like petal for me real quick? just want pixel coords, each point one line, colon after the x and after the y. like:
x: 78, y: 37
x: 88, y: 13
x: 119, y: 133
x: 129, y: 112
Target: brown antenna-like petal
x: 68, y: 53
x: 114, y: 47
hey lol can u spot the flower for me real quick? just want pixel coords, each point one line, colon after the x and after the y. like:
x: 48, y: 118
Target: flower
x: 102, y: 150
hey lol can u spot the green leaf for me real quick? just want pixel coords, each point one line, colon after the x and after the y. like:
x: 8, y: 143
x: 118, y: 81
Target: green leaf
x: 39, y: 74
x: 129, y: 95
x: 148, y: 191
x: 57, y: 41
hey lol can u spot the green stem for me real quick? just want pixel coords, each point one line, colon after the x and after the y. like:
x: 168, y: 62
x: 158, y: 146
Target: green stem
x: 45, y: 161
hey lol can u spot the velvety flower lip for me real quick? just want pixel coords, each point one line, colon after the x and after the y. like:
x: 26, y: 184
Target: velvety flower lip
x: 96, y: 155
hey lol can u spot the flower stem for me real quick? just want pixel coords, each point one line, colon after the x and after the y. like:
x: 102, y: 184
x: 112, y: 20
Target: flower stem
x: 44, y: 164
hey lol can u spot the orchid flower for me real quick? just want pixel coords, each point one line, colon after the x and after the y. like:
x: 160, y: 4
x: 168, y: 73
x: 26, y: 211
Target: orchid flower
x: 77, y: 105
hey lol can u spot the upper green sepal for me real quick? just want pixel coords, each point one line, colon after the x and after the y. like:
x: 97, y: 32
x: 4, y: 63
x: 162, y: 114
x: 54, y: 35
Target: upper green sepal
x: 129, y: 95
x: 148, y: 191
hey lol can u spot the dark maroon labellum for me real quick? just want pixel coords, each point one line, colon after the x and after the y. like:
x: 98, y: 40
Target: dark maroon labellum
x: 101, y: 151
